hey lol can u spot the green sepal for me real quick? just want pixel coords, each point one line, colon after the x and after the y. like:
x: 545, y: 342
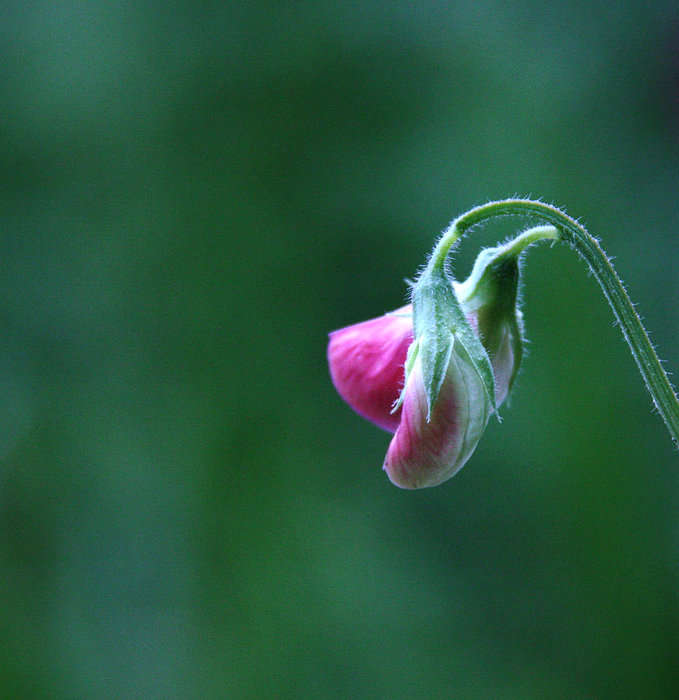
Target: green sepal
x: 439, y: 323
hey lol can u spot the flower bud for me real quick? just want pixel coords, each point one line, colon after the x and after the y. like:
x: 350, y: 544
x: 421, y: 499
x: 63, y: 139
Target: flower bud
x: 445, y: 404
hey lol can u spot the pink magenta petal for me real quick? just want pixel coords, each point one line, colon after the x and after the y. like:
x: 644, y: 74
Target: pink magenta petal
x: 426, y: 453
x: 367, y: 365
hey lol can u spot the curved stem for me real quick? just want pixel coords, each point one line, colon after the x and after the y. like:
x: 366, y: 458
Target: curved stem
x: 570, y: 231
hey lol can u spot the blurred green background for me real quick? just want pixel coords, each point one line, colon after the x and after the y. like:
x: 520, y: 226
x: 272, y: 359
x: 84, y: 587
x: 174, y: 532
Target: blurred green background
x: 194, y: 194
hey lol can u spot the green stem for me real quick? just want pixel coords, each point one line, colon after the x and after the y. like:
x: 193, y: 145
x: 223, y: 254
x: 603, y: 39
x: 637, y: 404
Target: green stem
x: 570, y: 231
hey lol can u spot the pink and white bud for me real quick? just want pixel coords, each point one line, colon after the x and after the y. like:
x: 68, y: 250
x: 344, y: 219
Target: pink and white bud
x: 428, y: 452
x: 367, y: 362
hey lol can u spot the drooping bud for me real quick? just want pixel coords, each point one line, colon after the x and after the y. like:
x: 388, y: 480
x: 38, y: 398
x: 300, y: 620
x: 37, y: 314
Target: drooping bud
x: 449, y: 392
x: 452, y: 367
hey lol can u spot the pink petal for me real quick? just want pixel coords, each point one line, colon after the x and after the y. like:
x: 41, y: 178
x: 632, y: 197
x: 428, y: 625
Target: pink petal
x: 367, y: 365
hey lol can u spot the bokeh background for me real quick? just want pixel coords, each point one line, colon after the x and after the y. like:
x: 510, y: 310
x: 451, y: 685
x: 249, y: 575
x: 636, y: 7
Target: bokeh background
x: 194, y: 194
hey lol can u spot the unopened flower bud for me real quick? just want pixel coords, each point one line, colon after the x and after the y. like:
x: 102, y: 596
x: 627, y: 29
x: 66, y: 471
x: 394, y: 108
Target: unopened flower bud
x: 438, y: 368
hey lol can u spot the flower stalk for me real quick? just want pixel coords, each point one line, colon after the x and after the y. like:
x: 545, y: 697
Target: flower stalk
x: 572, y: 232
